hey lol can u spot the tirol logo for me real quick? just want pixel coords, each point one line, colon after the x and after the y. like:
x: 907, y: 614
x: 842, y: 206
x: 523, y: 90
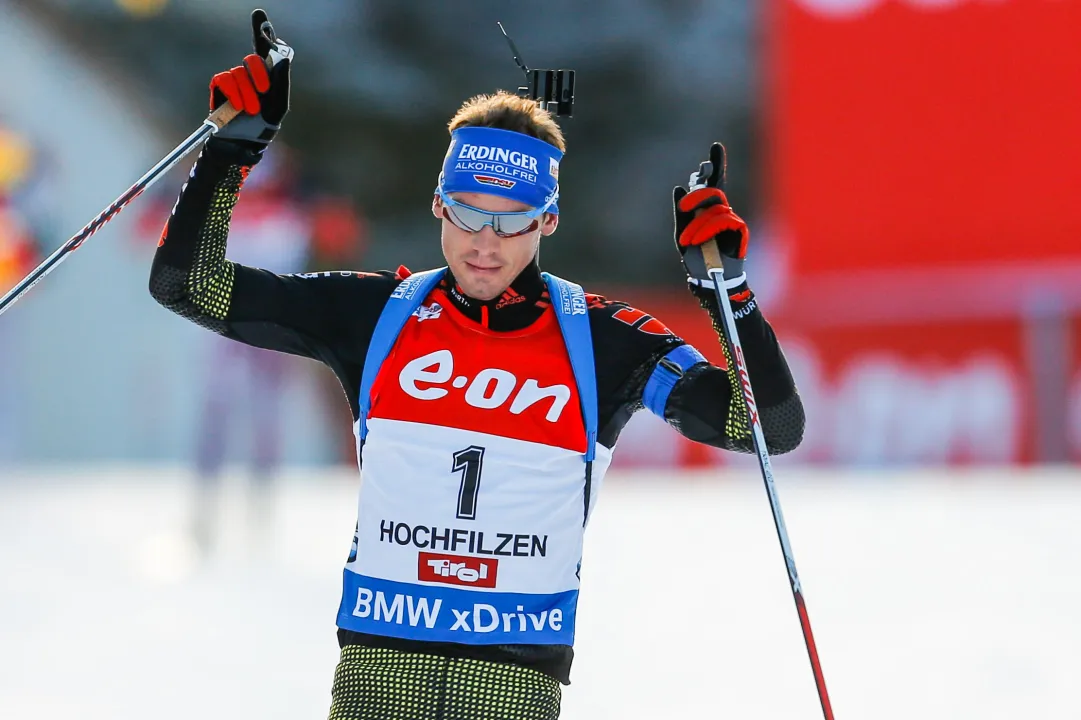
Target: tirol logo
x: 498, y: 182
x: 553, y: 167
x: 457, y: 570
x: 490, y: 389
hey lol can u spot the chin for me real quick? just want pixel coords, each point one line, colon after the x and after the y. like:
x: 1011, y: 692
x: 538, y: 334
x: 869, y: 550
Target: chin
x: 484, y: 291
x: 481, y: 286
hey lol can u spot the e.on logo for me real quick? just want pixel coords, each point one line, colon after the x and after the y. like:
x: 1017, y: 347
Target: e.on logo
x: 490, y: 389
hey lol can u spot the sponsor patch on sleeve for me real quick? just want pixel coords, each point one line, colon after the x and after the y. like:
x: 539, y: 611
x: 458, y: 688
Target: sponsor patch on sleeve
x: 641, y: 321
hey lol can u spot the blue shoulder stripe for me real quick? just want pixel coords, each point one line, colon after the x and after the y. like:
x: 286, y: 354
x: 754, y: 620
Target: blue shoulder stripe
x: 569, y: 301
x: 403, y: 302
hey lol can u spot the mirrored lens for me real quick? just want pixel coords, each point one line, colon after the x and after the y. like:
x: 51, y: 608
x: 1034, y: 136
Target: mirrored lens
x: 473, y: 220
x: 449, y: 214
x: 507, y: 225
x: 468, y: 218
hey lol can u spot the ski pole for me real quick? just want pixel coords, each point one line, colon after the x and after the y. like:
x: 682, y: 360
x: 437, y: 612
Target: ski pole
x: 214, y: 122
x: 715, y: 267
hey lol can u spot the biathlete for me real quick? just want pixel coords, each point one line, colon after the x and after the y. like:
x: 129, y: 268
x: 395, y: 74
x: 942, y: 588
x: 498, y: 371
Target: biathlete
x: 487, y: 398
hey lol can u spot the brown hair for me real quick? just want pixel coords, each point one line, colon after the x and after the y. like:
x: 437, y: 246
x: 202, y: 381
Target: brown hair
x: 505, y: 111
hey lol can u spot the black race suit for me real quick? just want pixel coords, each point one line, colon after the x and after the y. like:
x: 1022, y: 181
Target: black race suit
x: 331, y: 318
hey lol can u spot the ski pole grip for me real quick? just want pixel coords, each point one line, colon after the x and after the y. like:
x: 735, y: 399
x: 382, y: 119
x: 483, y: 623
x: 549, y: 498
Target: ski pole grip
x: 712, y: 256
x: 222, y: 116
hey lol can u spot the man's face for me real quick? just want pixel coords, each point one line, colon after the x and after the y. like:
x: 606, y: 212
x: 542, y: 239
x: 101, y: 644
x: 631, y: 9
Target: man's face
x: 483, y: 263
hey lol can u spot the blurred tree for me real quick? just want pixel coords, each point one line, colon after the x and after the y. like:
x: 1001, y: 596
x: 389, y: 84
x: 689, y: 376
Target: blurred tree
x: 375, y: 82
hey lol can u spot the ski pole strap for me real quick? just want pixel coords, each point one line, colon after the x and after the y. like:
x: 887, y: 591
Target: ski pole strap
x: 666, y: 374
x: 403, y: 302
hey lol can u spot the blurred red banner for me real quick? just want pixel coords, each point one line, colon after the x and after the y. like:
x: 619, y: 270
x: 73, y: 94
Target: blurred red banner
x: 964, y: 391
x: 920, y: 256
x: 925, y: 134
x: 922, y: 240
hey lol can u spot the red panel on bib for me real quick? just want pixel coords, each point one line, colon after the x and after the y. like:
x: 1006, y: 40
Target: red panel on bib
x: 457, y: 570
x: 447, y: 370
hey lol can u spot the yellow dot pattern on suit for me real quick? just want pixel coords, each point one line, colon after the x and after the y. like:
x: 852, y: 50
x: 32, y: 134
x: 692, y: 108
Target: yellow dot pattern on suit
x: 382, y: 684
x: 210, y: 282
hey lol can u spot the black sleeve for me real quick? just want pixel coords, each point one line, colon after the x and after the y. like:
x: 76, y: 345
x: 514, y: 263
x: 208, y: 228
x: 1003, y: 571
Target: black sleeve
x: 706, y: 404
x: 327, y: 316
x: 626, y: 347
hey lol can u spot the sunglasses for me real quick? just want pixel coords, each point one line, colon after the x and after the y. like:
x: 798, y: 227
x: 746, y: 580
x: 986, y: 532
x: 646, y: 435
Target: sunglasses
x: 504, y: 224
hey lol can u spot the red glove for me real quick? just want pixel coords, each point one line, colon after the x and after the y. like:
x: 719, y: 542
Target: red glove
x: 703, y: 214
x: 241, y: 86
x: 713, y: 218
x: 261, y: 94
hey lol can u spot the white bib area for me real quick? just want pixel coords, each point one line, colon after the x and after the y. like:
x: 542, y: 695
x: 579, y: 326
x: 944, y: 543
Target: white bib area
x: 425, y: 569
x: 480, y: 468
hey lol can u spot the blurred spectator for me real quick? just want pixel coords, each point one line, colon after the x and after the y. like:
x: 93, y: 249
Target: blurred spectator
x: 339, y: 234
x: 339, y: 242
x: 19, y: 253
x: 274, y: 228
x: 269, y: 231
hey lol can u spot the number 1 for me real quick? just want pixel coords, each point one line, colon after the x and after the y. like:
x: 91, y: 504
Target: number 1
x: 469, y: 462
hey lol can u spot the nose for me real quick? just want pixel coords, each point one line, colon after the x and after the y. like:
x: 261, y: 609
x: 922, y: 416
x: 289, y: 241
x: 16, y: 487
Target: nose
x: 486, y: 240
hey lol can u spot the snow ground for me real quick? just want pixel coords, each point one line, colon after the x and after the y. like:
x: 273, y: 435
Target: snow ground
x: 947, y: 595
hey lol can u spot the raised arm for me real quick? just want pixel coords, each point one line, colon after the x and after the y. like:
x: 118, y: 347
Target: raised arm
x: 706, y: 404
x: 641, y: 364
x: 327, y: 316
x: 306, y: 315
x: 660, y: 372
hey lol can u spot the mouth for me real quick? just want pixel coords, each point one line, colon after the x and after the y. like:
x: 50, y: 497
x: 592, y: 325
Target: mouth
x: 483, y: 270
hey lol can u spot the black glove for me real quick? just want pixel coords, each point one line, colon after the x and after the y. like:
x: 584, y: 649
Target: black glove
x: 702, y: 215
x: 259, y: 88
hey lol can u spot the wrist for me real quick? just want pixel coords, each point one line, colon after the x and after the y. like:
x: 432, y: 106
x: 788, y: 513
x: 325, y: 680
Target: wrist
x: 733, y: 270
x: 728, y: 283
x: 229, y: 151
x: 740, y: 295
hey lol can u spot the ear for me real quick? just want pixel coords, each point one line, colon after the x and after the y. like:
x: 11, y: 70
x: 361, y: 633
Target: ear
x: 437, y: 207
x: 549, y: 225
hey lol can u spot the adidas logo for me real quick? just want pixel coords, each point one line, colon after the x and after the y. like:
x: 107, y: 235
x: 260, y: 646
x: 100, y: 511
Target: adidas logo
x: 509, y: 298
